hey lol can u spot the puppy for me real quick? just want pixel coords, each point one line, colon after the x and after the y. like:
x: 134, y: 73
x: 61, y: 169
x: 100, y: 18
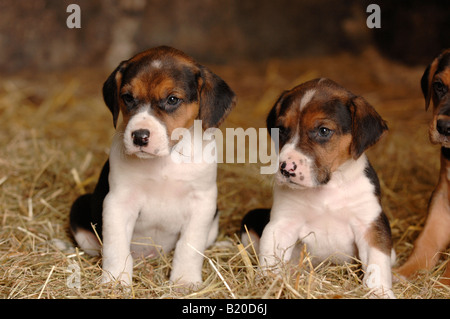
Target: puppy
x: 435, y: 236
x: 326, y: 194
x: 145, y: 201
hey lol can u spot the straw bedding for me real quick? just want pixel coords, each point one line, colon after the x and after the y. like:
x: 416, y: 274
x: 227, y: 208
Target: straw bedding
x: 55, y: 134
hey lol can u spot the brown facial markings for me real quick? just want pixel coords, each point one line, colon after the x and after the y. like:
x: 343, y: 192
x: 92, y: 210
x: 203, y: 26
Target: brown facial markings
x: 183, y: 118
x: 326, y: 108
x: 288, y: 124
x: 335, y: 153
x: 441, y: 64
x: 444, y: 78
x: 426, y: 85
x: 438, y: 129
x: 183, y: 115
x: 329, y: 153
x: 154, y: 77
x: 290, y: 118
x: 151, y: 88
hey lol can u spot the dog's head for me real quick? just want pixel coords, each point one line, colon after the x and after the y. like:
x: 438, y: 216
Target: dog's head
x: 321, y: 126
x: 159, y: 90
x: 435, y: 85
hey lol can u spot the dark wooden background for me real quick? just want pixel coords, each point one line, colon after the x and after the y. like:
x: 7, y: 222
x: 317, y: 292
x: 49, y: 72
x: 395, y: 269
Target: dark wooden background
x: 34, y: 35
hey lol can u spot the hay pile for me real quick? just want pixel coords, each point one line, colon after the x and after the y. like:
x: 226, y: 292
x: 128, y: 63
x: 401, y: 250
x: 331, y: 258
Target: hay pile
x: 55, y: 134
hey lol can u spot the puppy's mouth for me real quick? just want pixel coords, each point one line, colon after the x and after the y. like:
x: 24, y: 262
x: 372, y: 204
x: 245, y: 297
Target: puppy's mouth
x: 143, y: 153
x: 298, y: 180
x: 282, y: 179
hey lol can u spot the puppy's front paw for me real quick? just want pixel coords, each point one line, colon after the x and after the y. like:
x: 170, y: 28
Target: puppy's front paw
x: 382, y: 293
x: 184, y: 287
x: 271, y: 266
x: 122, y: 278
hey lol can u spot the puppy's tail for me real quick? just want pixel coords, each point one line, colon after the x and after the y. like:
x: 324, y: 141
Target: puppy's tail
x: 253, y: 225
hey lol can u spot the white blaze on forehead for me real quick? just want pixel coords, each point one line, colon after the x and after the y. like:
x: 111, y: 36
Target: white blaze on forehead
x: 306, y: 98
x: 157, y: 64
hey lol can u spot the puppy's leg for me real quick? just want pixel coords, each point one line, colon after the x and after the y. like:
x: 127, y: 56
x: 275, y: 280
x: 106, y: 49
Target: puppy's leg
x: 188, y: 259
x: 433, y: 239
x: 214, y: 230
x: 276, y: 245
x: 375, y: 251
x: 378, y: 274
x: 119, y: 218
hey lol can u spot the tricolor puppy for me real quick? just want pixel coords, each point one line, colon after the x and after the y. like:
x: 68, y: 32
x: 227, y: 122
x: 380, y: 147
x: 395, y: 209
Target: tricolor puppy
x: 326, y: 194
x: 145, y: 202
x: 435, y: 237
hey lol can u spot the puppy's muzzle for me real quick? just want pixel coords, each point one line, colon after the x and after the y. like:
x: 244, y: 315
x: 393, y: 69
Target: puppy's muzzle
x: 443, y: 127
x: 140, y: 137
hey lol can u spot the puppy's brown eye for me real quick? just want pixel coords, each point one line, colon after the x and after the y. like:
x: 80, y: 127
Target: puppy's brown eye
x: 321, y: 134
x: 324, y: 132
x: 128, y: 98
x: 173, y: 100
x: 438, y: 85
x: 170, y: 104
x: 439, y: 88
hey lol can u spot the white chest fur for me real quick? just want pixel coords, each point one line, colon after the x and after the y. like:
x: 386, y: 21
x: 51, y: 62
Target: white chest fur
x: 326, y: 218
x: 157, y: 204
x: 164, y: 194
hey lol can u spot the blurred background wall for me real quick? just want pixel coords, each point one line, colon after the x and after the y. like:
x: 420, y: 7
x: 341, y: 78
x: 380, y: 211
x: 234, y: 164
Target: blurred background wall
x: 34, y: 34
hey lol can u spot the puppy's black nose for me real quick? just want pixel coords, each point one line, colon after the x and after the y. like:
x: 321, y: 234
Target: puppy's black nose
x: 443, y: 127
x: 140, y: 137
x: 288, y: 169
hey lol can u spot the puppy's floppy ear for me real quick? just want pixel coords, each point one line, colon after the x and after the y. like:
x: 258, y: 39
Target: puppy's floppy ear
x: 428, y: 75
x: 216, y: 99
x: 367, y: 126
x: 425, y: 85
x: 274, y: 112
x: 271, y: 118
x: 110, y: 93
